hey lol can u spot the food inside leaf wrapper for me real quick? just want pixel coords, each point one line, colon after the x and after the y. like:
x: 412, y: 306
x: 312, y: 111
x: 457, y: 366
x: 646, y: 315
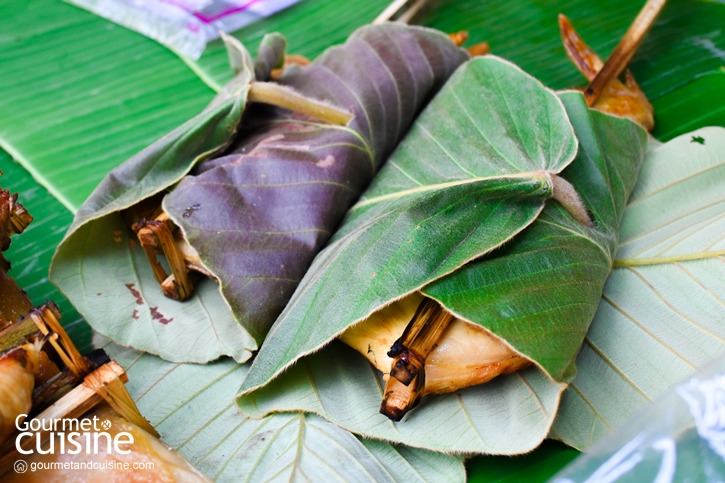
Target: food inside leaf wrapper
x: 254, y: 218
x: 46, y: 385
x: 470, y: 226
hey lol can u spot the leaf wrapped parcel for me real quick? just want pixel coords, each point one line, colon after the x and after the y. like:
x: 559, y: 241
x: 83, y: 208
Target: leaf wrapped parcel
x: 257, y: 216
x: 460, y: 213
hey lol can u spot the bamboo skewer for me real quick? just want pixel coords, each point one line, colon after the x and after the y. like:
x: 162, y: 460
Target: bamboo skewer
x: 156, y: 234
x: 418, y: 340
x: 390, y: 11
x: 625, y: 50
x: 411, y: 12
x: 73, y: 405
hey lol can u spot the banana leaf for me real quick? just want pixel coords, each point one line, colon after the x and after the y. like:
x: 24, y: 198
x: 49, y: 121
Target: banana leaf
x: 468, y: 224
x: 260, y: 212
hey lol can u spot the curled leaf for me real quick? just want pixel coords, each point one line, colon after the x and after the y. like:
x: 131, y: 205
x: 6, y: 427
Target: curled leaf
x: 538, y: 291
x: 254, y: 218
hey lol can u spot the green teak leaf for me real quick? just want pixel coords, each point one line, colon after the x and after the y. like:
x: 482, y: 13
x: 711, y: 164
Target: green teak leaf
x: 192, y: 407
x: 267, y: 204
x: 406, y: 234
x: 470, y: 197
x: 660, y: 317
x: 97, y: 244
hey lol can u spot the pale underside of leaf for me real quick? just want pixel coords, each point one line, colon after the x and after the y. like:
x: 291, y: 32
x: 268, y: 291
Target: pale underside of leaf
x: 123, y: 289
x: 509, y: 415
x: 661, y: 313
x: 192, y: 407
x: 104, y: 274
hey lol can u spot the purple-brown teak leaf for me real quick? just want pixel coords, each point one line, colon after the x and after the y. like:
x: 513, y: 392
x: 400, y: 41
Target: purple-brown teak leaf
x: 259, y: 215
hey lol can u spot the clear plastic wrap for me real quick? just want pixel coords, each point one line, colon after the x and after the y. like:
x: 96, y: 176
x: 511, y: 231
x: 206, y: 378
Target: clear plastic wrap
x: 680, y: 437
x: 185, y: 26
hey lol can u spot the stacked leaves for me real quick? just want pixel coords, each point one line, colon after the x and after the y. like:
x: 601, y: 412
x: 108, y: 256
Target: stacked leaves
x: 258, y: 215
x: 460, y: 213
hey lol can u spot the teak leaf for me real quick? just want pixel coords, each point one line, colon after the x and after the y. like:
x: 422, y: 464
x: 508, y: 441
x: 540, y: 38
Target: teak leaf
x: 271, y: 203
x: 192, y: 407
x: 127, y: 306
x: 660, y: 317
x: 539, y: 292
x: 258, y: 215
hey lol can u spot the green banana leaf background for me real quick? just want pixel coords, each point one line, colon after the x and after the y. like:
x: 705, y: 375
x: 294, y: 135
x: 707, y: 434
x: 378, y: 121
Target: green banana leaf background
x: 79, y: 95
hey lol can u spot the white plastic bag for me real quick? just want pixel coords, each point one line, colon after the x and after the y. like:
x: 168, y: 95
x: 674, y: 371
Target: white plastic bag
x: 680, y: 437
x: 184, y: 26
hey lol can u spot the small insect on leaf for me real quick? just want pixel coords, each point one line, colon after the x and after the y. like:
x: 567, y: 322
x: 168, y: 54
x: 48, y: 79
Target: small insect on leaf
x: 698, y: 140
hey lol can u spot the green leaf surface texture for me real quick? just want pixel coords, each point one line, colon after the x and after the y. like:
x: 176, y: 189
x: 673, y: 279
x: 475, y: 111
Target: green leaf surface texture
x: 539, y: 292
x: 81, y: 94
x: 449, y: 205
x: 661, y: 312
x: 268, y: 206
x: 696, y: 105
x: 99, y: 264
x: 192, y: 407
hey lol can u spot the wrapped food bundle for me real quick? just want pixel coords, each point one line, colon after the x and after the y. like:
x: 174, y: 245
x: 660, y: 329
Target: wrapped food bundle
x: 268, y: 186
x: 471, y: 260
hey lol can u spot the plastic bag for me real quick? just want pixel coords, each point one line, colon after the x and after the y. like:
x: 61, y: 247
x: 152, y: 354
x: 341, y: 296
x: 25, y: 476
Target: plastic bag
x: 681, y: 437
x: 184, y: 26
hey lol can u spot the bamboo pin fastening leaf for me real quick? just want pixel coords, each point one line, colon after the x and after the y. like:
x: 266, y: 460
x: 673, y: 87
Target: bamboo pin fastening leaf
x: 625, y: 50
x: 390, y: 11
x: 419, y: 338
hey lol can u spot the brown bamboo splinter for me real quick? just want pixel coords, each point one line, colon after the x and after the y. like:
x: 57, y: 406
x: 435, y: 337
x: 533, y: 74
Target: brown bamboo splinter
x: 418, y: 340
x: 625, y: 50
x: 156, y: 235
x: 400, y: 398
x: 617, y: 98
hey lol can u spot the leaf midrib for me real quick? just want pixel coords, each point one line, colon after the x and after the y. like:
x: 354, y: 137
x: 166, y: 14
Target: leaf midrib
x: 533, y: 175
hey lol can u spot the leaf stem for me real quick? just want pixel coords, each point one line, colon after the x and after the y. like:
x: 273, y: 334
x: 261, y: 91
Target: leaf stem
x: 281, y: 96
x: 411, y: 12
x: 635, y: 262
x: 625, y: 50
x: 565, y: 193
